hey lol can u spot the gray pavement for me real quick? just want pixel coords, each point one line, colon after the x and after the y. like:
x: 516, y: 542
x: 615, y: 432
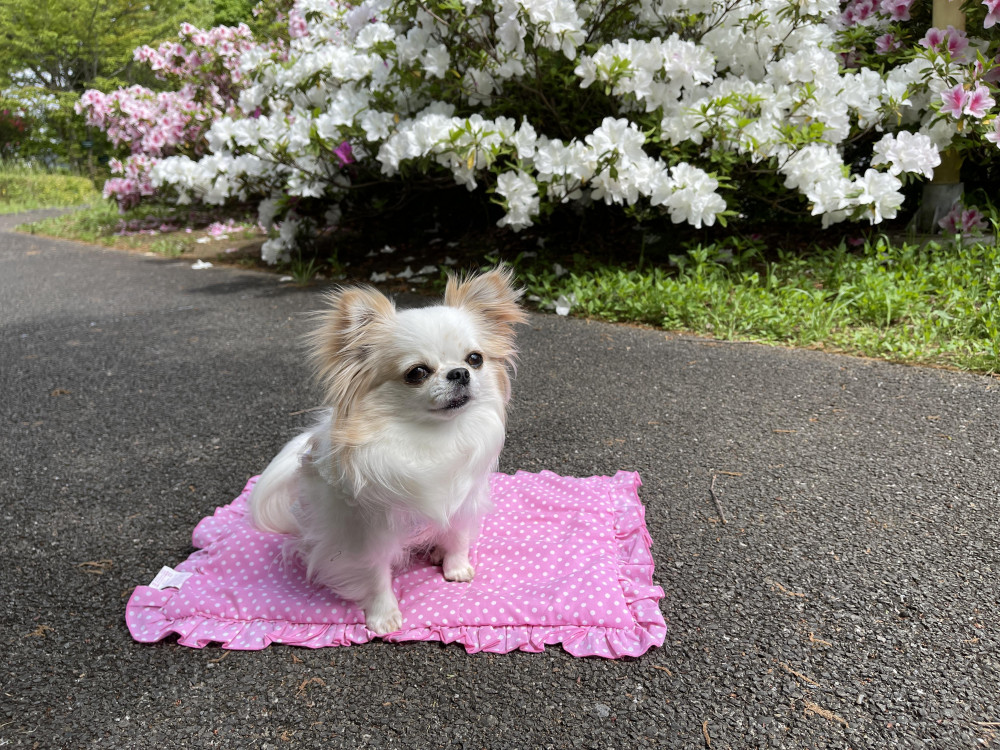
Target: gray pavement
x: 849, y: 601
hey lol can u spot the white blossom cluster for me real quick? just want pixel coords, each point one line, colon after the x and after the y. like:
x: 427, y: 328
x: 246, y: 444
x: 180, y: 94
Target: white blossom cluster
x: 399, y: 86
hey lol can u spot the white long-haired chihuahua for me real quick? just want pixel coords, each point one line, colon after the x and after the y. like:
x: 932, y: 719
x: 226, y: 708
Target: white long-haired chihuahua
x: 401, y: 460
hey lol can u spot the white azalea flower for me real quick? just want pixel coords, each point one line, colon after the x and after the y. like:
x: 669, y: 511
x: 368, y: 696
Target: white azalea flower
x: 907, y: 152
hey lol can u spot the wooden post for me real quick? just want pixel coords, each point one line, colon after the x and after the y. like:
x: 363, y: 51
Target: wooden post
x: 945, y: 188
x: 947, y: 13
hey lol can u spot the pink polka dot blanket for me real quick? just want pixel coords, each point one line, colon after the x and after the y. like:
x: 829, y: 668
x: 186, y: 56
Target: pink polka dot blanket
x: 561, y: 560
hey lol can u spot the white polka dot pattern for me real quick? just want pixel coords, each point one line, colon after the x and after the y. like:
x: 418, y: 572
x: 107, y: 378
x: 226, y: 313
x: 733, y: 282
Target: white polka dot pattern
x: 562, y: 560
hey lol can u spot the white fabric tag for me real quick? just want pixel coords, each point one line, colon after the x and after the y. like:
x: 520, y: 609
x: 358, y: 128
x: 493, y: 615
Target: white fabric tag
x: 168, y: 578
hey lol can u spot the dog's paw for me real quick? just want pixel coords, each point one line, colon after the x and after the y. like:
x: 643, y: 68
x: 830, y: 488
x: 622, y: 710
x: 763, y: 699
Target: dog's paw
x: 382, y: 615
x: 384, y: 623
x: 458, y: 570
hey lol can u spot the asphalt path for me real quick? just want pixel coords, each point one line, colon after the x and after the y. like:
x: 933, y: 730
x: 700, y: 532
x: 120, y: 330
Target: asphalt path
x: 850, y: 598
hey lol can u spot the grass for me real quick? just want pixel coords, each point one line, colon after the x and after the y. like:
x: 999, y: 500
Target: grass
x: 925, y: 303
x: 24, y: 188
x: 161, y: 230
x: 94, y: 224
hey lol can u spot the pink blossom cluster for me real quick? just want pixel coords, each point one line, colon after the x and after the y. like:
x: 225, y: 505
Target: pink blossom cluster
x: 862, y: 12
x: 970, y: 97
x: 134, y: 183
x: 147, y: 122
x: 897, y: 10
x: 151, y: 125
x: 298, y: 27
x: 952, y: 41
x: 887, y: 43
x: 958, y: 101
x: 962, y: 220
x: 205, y: 65
x: 967, y: 82
x: 211, y: 57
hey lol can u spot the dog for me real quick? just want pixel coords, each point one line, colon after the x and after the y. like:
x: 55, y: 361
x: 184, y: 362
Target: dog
x: 400, y: 461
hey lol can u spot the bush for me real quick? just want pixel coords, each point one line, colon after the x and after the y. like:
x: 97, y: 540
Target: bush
x: 23, y: 188
x: 15, y: 128
x: 204, y: 68
x: 696, y: 111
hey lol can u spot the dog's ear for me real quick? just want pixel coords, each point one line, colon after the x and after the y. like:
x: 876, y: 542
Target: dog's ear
x: 343, y: 343
x: 493, y: 298
x: 354, y: 309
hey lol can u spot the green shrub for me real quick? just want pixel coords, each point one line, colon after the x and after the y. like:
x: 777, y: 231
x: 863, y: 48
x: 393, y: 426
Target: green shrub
x: 24, y: 188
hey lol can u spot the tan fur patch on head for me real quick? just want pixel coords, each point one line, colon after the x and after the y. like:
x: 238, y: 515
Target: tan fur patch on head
x: 356, y: 322
x: 493, y: 299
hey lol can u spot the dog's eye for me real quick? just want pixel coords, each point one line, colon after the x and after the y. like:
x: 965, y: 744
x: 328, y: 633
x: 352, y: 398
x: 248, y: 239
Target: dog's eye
x: 475, y: 360
x: 417, y: 375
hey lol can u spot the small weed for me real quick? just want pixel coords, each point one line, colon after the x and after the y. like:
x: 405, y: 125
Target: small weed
x: 169, y: 247
x: 303, y: 271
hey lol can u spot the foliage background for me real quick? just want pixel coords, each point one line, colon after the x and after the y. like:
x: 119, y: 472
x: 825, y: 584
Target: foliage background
x: 51, y: 51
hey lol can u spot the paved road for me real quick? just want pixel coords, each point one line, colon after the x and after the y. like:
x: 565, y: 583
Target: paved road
x: 851, y: 599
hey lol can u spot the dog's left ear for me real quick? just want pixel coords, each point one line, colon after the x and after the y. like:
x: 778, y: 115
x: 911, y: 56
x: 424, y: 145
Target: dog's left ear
x: 493, y: 298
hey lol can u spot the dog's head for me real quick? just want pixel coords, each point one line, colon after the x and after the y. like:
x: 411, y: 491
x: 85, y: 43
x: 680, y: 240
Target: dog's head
x: 380, y: 366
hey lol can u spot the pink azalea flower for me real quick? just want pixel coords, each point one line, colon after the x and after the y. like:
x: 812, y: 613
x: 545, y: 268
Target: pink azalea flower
x: 992, y: 13
x: 973, y: 220
x: 898, y: 10
x: 994, y: 135
x: 888, y: 43
x: 952, y: 220
x: 933, y: 38
x: 958, y: 43
x: 954, y: 101
x: 953, y: 41
x: 343, y: 152
x: 297, y: 26
x: 979, y: 102
x: 961, y: 220
x: 858, y: 11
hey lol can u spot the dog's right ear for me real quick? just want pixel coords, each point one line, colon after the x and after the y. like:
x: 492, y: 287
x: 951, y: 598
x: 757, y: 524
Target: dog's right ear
x: 344, y: 340
x: 493, y: 298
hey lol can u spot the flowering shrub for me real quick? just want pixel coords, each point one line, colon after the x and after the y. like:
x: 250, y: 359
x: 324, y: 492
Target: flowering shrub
x: 205, y: 67
x: 664, y: 107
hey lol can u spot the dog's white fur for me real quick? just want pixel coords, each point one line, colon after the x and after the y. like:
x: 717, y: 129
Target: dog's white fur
x: 395, y: 465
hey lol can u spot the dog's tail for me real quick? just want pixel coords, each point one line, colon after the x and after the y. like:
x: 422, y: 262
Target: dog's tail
x: 272, y: 497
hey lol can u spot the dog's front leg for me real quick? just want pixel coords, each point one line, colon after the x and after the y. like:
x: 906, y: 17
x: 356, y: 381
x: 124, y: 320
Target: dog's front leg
x: 452, y: 552
x: 381, y: 608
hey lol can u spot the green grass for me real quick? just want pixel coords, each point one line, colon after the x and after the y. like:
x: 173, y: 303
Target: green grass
x: 930, y: 304
x: 164, y: 230
x: 93, y: 224
x: 26, y: 188
x: 169, y: 247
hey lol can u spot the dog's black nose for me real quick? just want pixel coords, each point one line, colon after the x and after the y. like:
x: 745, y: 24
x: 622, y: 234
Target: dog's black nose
x: 460, y: 374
